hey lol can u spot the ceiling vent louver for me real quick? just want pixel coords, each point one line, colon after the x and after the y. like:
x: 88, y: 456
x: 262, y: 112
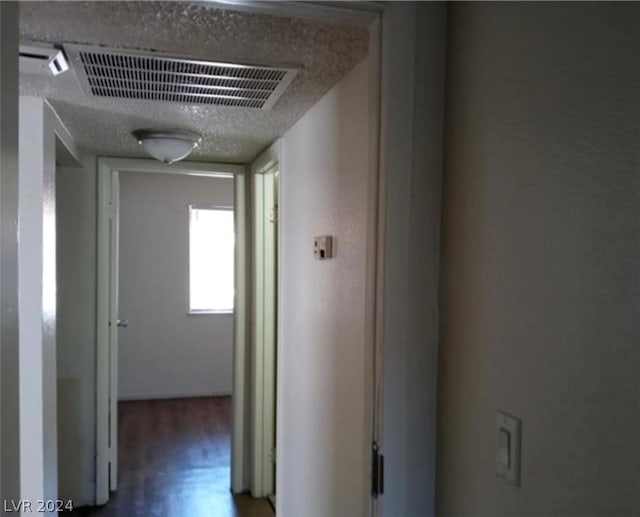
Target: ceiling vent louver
x: 122, y: 74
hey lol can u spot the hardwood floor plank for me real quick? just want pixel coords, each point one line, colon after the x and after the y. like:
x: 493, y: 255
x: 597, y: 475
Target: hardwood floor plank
x: 175, y: 462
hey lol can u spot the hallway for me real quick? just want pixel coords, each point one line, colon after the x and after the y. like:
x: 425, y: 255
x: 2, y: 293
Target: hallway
x: 174, y: 461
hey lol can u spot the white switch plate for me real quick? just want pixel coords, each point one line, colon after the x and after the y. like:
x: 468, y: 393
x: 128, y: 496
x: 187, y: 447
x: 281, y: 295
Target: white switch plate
x: 323, y: 247
x: 508, y: 437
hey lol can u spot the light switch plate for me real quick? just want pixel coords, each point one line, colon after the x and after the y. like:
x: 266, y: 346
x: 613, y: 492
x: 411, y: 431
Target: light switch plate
x: 508, y: 438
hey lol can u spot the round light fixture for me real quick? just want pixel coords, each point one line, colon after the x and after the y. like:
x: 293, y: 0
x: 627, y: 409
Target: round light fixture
x: 167, y: 146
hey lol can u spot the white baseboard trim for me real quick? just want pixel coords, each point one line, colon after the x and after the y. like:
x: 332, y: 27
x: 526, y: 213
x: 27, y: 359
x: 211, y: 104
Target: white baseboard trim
x: 182, y: 395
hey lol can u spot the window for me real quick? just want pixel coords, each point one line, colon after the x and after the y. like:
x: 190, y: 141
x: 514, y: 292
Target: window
x: 211, y: 245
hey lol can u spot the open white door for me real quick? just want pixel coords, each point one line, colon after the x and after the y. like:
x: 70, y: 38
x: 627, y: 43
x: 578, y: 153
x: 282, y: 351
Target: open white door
x: 108, y: 324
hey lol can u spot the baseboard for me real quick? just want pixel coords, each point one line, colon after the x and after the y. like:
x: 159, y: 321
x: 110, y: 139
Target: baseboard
x: 183, y: 395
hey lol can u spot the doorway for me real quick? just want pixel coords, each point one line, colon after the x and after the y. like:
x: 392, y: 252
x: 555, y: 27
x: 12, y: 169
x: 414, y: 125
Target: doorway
x: 254, y: 376
x: 110, y: 172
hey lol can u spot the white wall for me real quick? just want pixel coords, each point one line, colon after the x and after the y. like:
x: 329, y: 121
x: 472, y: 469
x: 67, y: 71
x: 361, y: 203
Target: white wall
x: 9, y: 179
x: 37, y: 302
x: 165, y: 352
x: 76, y: 338
x: 541, y: 253
x: 322, y: 429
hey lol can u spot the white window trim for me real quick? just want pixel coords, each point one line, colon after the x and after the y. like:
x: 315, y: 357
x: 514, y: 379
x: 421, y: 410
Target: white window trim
x: 204, y: 312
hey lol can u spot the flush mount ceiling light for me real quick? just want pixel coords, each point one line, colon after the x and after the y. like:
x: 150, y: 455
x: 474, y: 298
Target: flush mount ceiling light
x: 167, y: 146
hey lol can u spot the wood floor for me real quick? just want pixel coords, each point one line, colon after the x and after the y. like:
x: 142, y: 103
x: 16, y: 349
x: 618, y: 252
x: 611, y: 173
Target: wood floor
x: 174, y: 462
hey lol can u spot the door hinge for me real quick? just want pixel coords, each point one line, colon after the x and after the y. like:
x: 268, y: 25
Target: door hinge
x: 273, y: 216
x: 377, y: 471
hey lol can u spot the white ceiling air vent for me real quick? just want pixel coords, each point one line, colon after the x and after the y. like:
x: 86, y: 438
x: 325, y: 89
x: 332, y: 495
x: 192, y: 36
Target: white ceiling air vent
x: 124, y: 74
x: 42, y: 59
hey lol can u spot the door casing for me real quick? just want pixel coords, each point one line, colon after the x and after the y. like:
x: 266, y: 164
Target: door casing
x: 264, y: 178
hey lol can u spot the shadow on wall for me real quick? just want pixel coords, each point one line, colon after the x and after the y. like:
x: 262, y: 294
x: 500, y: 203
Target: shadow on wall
x: 540, y: 241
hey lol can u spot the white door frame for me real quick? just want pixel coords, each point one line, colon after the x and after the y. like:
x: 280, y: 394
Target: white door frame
x: 241, y: 335
x: 411, y: 163
x: 264, y: 173
x: 107, y: 314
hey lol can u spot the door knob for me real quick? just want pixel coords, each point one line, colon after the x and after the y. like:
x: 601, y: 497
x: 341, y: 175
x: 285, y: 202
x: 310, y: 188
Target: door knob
x: 123, y: 323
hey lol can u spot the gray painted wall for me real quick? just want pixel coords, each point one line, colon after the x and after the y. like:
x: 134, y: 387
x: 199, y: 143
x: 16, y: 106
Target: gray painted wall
x: 9, y: 360
x: 540, y: 290
x: 76, y: 338
x: 165, y: 352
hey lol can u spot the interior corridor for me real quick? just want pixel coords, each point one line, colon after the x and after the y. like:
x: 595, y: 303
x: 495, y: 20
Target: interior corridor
x: 175, y: 461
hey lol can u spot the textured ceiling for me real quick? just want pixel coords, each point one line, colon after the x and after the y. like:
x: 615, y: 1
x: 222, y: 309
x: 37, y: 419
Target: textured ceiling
x: 324, y: 53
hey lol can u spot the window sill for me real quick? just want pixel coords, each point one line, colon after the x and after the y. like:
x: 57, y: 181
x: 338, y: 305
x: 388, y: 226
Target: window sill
x: 201, y: 313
